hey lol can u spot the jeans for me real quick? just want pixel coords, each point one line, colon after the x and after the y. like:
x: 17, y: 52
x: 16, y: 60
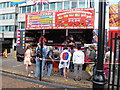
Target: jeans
x: 78, y: 71
x: 49, y: 69
x: 37, y: 71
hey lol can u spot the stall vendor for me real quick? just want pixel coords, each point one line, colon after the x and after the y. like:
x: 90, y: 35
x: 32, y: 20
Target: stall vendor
x: 71, y: 41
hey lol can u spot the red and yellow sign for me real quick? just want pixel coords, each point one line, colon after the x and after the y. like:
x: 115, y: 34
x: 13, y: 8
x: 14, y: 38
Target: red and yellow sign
x: 114, y: 16
x: 81, y: 18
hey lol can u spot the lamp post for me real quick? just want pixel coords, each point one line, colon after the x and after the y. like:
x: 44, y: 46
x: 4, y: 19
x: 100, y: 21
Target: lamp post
x: 99, y: 79
x: 41, y: 44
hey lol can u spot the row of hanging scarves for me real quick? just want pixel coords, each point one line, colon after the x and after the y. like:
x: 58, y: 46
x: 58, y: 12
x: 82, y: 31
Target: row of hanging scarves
x: 20, y: 38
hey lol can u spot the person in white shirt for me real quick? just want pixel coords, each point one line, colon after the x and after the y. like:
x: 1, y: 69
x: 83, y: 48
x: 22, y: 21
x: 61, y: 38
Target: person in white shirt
x: 78, y: 61
x: 65, y: 57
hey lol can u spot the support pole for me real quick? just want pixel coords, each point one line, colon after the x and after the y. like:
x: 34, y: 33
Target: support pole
x: 41, y: 44
x: 99, y: 79
x: 66, y: 34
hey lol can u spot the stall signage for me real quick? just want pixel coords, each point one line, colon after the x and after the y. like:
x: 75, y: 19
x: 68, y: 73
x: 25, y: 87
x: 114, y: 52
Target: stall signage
x: 81, y: 18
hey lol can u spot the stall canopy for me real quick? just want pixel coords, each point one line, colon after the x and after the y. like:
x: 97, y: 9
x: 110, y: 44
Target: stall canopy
x: 80, y: 18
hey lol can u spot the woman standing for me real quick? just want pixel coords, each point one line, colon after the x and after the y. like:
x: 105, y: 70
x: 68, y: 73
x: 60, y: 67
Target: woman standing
x: 27, y: 60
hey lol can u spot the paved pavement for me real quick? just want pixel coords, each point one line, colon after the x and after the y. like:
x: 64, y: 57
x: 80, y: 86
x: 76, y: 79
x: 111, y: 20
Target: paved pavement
x: 11, y: 65
x: 8, y: 82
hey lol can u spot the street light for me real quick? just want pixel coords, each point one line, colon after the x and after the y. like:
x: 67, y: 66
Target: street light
x: 99, y: 79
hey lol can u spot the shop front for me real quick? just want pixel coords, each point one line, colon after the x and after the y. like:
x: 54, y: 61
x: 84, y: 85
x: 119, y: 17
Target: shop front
x: 57, y: 26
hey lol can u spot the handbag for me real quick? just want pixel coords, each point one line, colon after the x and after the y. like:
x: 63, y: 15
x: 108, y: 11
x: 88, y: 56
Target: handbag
x: 31, y: 59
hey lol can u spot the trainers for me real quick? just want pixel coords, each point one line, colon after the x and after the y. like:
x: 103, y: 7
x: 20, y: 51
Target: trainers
x: 29, y: 75
x: 32, y: 72
x: 79, y: 79
x: 74, y: 79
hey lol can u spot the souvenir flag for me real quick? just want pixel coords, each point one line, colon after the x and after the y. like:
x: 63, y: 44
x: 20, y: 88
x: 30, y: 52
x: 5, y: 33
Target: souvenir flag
x: 15, y: 2
x: 40, y: 2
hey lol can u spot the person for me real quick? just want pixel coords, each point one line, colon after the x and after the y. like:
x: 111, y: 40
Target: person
x: 38, y: 58
x: 106, y: 66
x: 78, y: 61
x: 91, y: 58
x: 44, y: 39
x: 56, y: 54
x: 50, y: 61
x: 19, y: 53
x: 71, y: 41
x: 27, y: 60
x: 106, y: 63
x: 71, y: 60
x: 65, y: 57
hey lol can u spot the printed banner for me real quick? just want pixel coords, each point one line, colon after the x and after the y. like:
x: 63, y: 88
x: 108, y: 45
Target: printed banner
x: 82, y: 18
x: 114, y: 16
x: 15, y: 2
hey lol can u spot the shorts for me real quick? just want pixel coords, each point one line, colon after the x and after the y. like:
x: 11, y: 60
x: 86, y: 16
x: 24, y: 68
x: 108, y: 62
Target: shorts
x: 89, y: 68
x: 64, y: 64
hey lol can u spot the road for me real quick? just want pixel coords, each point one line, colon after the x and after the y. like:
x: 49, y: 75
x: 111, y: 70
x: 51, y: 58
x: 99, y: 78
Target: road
x: 9, y: 82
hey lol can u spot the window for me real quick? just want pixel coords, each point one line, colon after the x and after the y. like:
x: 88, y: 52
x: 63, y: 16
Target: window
x: 7, y: 4
x: 11, y: 4
x: 4, y: 5
x: 22, y: 25
x: 6, y: 28
x: 0, y: 5
x: 33, y: 8
x: 81, y: 3
x: 7, y: 16
x: 46, y: 7
x: 3, y: 28
x: 23, y: 9
x: 0, y: 17
x: 66, y: 5
x: 3, y: 17
x: 74, y: 4
x: 10, y: 28
x: 28, y: 9
x: 39, y: 7
x: 59, y: 5
x: 16, y: 16
x: 11, y: 17
x: 0, y: 28
x: 52, y: 6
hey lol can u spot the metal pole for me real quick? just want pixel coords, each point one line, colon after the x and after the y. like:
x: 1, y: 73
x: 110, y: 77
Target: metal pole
x: 99, y: 79
x: 113, y: 65
x: 41, y: 44
x: 118, y: 79
x: 110, y: 66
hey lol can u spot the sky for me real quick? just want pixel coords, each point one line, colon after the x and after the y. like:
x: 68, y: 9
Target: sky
x: 114, y: 1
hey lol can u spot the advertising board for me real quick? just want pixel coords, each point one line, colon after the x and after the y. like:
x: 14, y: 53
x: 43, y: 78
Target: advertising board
x: 80, y: 18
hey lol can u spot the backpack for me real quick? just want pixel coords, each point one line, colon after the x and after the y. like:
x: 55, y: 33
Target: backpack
x: 38, y: 52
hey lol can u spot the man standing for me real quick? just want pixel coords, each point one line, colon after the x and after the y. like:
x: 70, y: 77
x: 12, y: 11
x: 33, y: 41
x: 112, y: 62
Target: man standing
x: 65, y: 62
x: 78, y: 61
x: 38, y: 58
x: 50, y: 61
